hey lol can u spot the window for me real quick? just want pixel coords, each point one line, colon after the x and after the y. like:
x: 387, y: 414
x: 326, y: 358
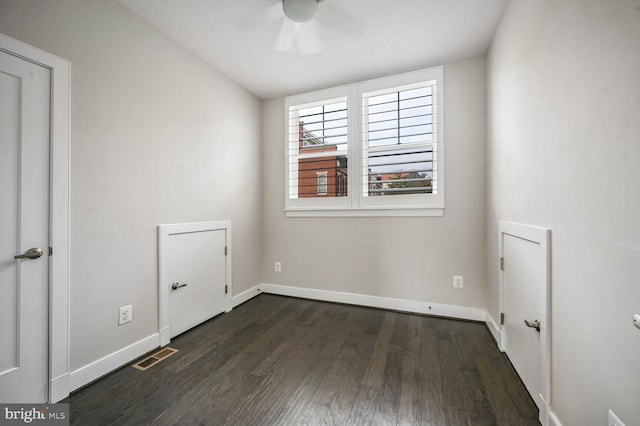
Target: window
x: 318, y: 151
x: 373, y: 148
x: 322, y: 183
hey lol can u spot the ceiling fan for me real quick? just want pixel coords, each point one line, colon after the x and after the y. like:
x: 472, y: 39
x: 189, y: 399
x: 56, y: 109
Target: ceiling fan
x: 300, y: 11
x: 304, y: 25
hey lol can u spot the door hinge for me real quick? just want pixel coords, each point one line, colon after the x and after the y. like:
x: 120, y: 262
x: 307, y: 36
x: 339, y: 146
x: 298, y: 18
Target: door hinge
x: 502, y: 263
x: 225, y: 251
x: 226, y: 289
x: 50, y: 251
x: 501, y: 318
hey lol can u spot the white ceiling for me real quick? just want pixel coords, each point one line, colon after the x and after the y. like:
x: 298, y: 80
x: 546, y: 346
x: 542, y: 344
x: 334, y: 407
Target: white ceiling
x: 359, y: 39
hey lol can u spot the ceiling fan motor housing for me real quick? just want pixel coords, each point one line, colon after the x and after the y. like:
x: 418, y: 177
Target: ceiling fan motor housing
x: 300, y: 10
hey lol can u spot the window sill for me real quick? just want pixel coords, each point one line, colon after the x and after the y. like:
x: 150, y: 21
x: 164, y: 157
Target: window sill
x: 368, y: 212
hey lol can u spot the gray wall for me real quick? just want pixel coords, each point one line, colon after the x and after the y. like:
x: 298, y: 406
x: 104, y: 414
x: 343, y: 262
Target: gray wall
x: 406, y: 258
x: 564, y: 152
x: 158, y: 136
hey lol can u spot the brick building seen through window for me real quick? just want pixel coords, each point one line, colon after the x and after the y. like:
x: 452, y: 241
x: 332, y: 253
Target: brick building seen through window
x: 324, y: 176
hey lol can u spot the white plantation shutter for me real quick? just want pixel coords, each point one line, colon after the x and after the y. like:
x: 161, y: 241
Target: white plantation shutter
x: 318, y: 149
x: 399, y: 134
x: 373, y: 148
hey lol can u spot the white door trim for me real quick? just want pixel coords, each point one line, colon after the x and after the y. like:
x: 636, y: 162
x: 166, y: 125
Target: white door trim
x: 59, y: 382
x: 164, y: 232
x: 540, y: 236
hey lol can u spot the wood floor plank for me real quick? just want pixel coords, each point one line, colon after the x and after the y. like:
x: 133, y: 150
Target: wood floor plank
x: 202, y: 340
x: 364, y: 406
x: 327, y: 329
x: 411, y: 409
x: 355, y: 355
x: 375, y: 369
x: 285, y: 382
x: 314, y: 415
x: 389, y: 400
x: 436, y: 348
x: 461, y: 395
x: 342, y: 359
x: 277, y: 360
x: 239, y: 358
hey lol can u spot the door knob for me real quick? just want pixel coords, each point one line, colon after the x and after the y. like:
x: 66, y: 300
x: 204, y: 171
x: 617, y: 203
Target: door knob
x: 535, y: 324
x: 177, y: 285
x: 32, y: 253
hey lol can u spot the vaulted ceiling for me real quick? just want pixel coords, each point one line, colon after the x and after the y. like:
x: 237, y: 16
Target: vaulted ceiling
x: 349, y: 40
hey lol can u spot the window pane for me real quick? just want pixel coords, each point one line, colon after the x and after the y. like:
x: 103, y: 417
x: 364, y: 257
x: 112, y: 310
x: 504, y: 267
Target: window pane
x: 322, y: 183
x: 415, y: 102
x: 414, y: 93
x: 397, y: 172
x: 402, y: 117
x: 318, y: 151
x: 392, y: 106
x: 410, y: 121
x: 383, y: 116
x: 416, y: 111
x: 335, y: 107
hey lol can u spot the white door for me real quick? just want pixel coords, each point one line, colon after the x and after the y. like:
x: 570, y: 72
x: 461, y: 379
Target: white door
x: 24, y: 218
x: 525, y: 306
x: 196, y: 275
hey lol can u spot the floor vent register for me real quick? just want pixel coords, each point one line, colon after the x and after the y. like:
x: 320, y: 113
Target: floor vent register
x: 152, y: 360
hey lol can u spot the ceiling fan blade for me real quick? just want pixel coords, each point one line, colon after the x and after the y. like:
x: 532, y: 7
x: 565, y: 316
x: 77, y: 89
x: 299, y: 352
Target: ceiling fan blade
x: 287, y: 36
x: 339, y: 19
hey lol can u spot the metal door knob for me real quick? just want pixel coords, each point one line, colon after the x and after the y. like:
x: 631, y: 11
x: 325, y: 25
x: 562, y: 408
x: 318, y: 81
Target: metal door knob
x: 32, y: 253
x: 535, y: 324
x: 177, y: 285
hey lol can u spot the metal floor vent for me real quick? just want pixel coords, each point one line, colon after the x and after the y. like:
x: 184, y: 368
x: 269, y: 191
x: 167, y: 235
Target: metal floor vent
x: 152, y: 360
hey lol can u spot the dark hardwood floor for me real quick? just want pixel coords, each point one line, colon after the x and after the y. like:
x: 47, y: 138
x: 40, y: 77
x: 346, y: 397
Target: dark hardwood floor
x: 284, y: 361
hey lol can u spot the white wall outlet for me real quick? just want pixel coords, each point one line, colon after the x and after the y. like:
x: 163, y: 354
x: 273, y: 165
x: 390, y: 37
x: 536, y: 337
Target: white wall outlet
x: 636, y: 320
x: 126, y: 314
x: 614, y: 420
x: 278, y: 266
x: 458, y: 281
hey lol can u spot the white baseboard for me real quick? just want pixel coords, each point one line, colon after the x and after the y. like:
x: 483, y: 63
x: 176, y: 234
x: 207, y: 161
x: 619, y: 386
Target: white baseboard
x: 552, y: 419
x: 547, y: 417
x: 495, y: 330
x: 451, y: 311
x: 59, y: 388
x: 90, y: 372
x: 246, y: 295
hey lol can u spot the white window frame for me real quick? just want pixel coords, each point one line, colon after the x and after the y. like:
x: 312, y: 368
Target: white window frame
x: 321, y: 203
x: 356, y: 203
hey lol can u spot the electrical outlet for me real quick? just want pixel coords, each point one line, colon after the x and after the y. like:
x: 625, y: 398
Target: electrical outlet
x: 278, y: 266
x: 126, y: 314
x: 458, y: 281
x: 614, y: 420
